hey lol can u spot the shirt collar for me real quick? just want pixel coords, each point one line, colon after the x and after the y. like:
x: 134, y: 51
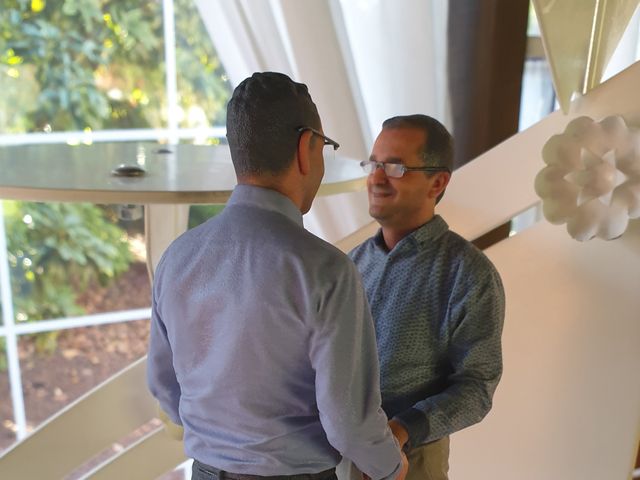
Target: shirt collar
x: 430, y: 231
x: 426, y: 233
x: 266, y: 199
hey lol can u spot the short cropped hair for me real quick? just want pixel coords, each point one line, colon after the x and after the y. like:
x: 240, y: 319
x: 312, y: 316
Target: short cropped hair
x: 263, y: 117
x: 438, y: 152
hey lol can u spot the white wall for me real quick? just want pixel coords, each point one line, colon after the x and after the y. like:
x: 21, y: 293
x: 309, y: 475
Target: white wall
x: 568, y: 406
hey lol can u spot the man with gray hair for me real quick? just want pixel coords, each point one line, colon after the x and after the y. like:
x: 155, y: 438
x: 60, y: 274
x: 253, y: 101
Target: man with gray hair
x: 262, y: 345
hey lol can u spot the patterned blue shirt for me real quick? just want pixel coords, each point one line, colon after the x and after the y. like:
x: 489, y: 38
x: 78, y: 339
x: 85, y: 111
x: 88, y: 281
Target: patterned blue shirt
x: 263, y: 348
x: 438, y: 307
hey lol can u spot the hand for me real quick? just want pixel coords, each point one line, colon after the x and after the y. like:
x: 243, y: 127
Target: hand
x: 404, y: 468
x: 399, y: 432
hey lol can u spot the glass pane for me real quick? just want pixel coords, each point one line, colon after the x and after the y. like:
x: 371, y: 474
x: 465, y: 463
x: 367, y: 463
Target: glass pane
x: 203, y: 86
x: 71, y: 259
x: 81, y: 64
x: 538, y: 97
x: 201, y: 213
x: 533, y: 29
x: 60, y: 366
x: 114, y: 449
x: 7, y: 425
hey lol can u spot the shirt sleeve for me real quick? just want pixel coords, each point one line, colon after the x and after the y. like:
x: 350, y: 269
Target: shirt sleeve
x: 475, y: 356
x: 161, y: 376
x: 343, y: 355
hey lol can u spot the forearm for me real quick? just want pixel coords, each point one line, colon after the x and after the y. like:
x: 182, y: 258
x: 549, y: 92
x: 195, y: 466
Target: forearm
x: 164, y: 388
x: 459, y: 406
x: 161, y: 376
x: 350, y: 411
x: 370, y: 445
x: 344, y: 357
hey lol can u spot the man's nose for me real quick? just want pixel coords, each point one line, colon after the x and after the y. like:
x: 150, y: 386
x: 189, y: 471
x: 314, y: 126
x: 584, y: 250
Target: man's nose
x: 379, y: 175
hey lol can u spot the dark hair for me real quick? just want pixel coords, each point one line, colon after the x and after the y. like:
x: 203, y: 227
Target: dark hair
x: 438, y: 152
x: 263, y: 116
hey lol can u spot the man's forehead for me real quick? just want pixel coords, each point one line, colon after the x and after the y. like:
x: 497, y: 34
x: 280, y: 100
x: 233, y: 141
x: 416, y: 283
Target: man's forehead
x: 385, y: 158
x: 393, y: 145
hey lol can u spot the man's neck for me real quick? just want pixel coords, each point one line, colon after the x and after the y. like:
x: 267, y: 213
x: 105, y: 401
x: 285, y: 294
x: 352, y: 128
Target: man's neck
x: 274, y: 183
x: 392, y: 235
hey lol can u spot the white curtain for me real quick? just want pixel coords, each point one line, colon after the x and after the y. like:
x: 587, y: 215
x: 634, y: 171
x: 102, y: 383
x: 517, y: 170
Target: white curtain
x: 363, y: 60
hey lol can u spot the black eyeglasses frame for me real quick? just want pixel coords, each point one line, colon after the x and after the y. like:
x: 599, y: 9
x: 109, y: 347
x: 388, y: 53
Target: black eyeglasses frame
x: 325, y: 139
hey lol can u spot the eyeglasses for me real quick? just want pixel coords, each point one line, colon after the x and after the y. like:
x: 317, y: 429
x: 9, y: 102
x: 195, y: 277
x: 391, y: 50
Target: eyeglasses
x: 327, y: 140
x: 396, y: 170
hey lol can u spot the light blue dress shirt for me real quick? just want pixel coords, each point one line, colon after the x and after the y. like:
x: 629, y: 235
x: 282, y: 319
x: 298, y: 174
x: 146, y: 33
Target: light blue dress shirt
x: 263, y: 348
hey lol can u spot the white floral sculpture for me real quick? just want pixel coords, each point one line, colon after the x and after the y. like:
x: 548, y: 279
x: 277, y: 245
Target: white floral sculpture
x: 592, y: 178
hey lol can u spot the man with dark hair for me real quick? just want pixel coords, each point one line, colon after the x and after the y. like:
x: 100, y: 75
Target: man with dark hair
x: 262, y: 345
x: 436, y: 300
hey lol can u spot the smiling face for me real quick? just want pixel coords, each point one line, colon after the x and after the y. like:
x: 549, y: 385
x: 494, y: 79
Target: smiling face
x: 404, y: 203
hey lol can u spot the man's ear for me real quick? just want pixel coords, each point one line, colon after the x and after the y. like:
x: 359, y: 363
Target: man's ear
x: 304, y: 152
x: 440, y: 182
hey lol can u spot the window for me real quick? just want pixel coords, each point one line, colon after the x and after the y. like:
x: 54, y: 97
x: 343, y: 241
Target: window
x: 83, y: 71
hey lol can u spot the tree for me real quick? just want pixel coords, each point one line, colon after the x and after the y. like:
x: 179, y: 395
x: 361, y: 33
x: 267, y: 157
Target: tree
x: 89, y: 64
x: 96, y: 64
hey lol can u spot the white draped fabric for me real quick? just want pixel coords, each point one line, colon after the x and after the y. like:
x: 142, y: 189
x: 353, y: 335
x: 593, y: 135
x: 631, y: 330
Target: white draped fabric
x: 363, y: 61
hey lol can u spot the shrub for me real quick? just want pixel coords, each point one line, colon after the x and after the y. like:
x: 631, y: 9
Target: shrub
x: 56, y: 250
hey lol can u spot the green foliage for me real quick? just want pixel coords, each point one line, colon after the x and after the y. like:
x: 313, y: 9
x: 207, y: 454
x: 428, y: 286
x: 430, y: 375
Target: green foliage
x: 202, y: 82
x: 90, y: 64
x: 96, y: 64
x: 55, y: 251
x: 201, y: 213
x: 63, y: 46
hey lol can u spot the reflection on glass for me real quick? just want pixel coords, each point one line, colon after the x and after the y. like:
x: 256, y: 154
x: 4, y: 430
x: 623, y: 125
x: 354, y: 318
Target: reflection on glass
x: 7, y: 425
x: 201, y: 213
x: 63, y: 257
x: 83, y: 65
x: 538, y: 97
x: 82, y: 358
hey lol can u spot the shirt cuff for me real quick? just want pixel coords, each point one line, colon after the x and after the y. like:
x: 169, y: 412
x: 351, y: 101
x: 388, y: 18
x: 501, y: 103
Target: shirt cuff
x: 415, y: 422
x: 396, y: 471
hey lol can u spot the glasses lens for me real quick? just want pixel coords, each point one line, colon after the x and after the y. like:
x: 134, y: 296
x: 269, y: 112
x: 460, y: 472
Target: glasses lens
x: 394, y: 170
x: 368, y: 166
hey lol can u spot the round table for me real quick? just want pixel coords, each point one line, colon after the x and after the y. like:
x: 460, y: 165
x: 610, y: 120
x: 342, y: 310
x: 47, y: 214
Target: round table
x: 177, y: 174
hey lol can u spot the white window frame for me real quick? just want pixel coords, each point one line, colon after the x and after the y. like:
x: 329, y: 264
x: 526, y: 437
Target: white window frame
x: 172, y: 134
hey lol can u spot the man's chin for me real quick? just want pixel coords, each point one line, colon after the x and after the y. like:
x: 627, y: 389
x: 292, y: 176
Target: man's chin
x: 376, y: 212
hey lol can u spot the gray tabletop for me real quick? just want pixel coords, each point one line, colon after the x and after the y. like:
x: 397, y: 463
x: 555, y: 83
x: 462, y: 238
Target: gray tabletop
x: 172, y: 174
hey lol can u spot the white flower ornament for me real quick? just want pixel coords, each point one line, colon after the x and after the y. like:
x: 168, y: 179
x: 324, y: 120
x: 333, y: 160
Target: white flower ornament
x: 592, y: 178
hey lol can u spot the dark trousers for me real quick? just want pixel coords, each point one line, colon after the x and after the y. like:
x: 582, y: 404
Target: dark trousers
x: 201, y: 471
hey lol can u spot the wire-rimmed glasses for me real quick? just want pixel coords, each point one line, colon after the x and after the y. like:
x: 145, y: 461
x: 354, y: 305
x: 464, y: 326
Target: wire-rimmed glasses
x: 396, y: 170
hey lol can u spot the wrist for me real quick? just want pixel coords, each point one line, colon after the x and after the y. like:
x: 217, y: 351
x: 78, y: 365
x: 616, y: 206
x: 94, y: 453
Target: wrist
x: 400, y: 432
